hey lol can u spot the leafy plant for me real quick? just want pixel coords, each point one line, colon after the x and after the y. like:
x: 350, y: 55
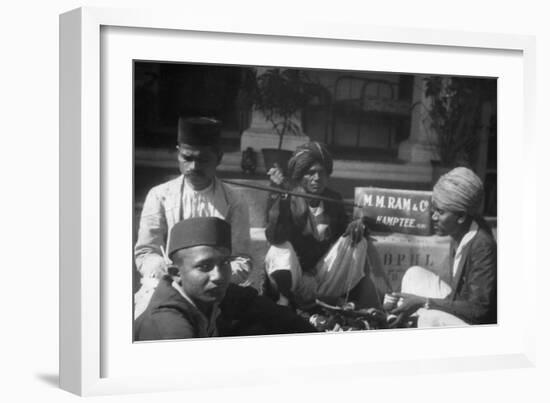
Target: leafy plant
x: 281, y: 93
x: 455, y: 114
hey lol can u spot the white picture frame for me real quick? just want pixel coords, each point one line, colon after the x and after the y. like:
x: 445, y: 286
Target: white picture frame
x: 88, y: 311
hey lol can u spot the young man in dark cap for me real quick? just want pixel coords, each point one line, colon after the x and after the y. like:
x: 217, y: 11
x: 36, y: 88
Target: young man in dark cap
x: 195, y: 193
x: 315, y: 252
x: 467, y: 295
x: 197, y: 299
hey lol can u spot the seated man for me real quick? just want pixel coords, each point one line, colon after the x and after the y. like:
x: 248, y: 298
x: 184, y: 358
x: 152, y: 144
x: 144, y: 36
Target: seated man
x: 314, y: 253
x: 197, y: 192
x: 196, y: 298
x: 471, y: 295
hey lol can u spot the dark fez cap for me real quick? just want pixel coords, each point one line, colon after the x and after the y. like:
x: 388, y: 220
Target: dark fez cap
x: 210, y: 231
x: 199, y: 131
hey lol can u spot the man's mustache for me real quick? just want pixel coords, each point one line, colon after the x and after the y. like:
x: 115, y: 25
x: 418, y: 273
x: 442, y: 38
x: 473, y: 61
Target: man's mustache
x: 195, y: 173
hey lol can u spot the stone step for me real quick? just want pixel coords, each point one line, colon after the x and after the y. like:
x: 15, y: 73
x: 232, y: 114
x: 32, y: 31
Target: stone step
x: 162, y: 158
x: 349, y: 169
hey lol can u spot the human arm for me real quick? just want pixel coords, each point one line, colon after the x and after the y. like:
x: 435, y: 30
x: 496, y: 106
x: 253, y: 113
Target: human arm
x: 357, y: 230
x: 278, y: 214
x: 152, y: 235
x: 408, y: 303
x: 476, y: 301
x: 340, y: 223
x: 279, y: 219
x: 277, y: 178
x: 249, y: 311
x: 239, y: 219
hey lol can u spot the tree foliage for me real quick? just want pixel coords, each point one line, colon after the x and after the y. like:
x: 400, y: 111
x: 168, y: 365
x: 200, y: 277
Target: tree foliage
x: 455, y: 115
x: 283, y: 92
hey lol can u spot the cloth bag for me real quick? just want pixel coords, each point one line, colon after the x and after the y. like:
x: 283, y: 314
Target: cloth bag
x: 341, y: 269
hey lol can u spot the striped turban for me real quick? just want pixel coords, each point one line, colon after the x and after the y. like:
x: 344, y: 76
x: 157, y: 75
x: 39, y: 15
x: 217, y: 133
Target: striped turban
x: 460, y: 190
x: 305, y: 156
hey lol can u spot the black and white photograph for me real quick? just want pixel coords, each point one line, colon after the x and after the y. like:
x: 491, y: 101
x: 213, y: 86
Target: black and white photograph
x: 288, y: 201
x: 281, y: 200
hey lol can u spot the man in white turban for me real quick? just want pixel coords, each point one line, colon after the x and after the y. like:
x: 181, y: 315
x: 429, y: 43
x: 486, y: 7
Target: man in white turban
x: 469, y: 297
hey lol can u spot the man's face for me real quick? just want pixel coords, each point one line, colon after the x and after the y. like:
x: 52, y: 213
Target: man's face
x: 198, y: 164
x: 445, y: 222
x: 205, y: 272
x: 315, y: 179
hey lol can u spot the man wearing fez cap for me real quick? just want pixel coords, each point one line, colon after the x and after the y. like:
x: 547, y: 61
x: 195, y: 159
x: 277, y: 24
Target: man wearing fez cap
x: 197, y: 300
x: 467, y: 293
x: 195, y: 193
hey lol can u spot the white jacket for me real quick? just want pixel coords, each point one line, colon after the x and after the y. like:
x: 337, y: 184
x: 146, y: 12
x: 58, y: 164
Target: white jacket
x: 163, y: 208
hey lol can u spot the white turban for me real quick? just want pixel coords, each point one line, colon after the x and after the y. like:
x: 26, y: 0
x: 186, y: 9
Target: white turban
x: 460, y: 190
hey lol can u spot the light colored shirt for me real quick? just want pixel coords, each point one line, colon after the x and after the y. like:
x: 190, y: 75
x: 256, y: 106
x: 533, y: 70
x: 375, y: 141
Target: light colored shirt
x: 170, y: 202
x: 199, y: 203
x: 319, y: 222
x: 463, y: 242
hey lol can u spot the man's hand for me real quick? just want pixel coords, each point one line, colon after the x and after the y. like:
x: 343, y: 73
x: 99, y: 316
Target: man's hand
x: 240, y: 269
x: 408, y: 303
x: 276, y: 175
x: 357, y: 229
x: 158, y: 272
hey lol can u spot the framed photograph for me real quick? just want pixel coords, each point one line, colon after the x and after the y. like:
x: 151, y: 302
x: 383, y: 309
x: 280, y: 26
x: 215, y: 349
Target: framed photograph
x: 378, y: 100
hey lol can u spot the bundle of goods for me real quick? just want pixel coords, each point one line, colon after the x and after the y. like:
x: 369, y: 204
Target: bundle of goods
x: 331, y: 318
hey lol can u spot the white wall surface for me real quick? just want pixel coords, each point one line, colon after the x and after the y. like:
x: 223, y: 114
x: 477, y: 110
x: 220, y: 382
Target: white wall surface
x: 29, y: 198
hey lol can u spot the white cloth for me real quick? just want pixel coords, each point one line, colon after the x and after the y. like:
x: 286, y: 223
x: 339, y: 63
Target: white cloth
x: 436, y: 318
x: 463, y: 242
x: 320, y: 222
x: 339, y: 271
x: 422, y: 282
x: 283, y: 257
x: 199, y: 203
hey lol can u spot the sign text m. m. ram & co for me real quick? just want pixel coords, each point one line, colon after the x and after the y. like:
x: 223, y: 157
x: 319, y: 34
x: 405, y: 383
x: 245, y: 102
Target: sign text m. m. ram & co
x: 393, y: 210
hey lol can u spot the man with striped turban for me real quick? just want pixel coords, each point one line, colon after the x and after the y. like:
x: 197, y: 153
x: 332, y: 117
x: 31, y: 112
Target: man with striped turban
x: 315, y: 252
x: 470, y: 295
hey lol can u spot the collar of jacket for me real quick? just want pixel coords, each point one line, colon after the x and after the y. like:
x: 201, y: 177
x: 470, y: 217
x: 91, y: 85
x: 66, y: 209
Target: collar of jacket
x: 481, y: 232
x: 168, y: 297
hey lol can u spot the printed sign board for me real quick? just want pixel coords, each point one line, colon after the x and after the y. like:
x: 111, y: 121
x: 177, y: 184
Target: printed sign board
x: 394, y: 253
x: 393, y: 210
